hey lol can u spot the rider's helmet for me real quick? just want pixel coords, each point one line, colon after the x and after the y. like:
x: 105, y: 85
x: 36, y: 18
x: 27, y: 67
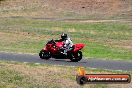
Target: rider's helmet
x: 63, y: 36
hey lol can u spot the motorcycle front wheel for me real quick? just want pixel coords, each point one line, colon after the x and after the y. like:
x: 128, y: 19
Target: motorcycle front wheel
x: 76, y: 57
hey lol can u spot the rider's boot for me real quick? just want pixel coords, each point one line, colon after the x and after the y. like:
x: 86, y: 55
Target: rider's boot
x: 65, y: 52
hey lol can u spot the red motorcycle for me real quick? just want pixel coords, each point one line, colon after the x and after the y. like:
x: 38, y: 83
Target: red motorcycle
x: 53, y: 49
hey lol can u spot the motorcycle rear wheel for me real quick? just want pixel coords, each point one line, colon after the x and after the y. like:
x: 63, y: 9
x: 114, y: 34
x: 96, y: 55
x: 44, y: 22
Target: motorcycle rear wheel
x: 44, y: 55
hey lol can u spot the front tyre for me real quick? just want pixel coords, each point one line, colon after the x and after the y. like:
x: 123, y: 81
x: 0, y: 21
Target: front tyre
x: 44, y: 55
x: 76, y: 57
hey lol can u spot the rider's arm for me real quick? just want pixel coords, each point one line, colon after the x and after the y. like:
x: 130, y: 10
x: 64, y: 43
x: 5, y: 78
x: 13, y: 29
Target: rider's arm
x: 58, y: 40
x: 68, y: 42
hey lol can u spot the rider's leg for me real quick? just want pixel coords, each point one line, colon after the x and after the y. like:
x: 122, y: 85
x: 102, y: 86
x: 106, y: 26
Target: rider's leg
x: 65, y: 51
x: 68, y: 48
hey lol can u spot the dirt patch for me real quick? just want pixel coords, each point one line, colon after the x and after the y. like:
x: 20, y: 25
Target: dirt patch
x: 45, y: 74
x: 16, y: 36
x: 68, y: 8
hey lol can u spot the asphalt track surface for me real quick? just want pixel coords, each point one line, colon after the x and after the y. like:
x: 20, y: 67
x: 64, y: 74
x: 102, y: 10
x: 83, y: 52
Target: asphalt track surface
x: 92, y: 63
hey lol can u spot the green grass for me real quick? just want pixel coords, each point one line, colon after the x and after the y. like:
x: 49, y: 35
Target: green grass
x: 12, y: 79
x: 30, y: 75
x: 109, y: 40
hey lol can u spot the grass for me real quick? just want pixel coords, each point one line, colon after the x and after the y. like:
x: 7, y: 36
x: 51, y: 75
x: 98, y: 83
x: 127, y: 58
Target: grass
x: 110, y: 40
x: 30, y: 75
x: 11, y: 78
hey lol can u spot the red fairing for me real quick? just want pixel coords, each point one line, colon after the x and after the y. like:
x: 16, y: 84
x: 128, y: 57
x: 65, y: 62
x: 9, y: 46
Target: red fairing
x: 54, y: 49
x: 78, y: 47
x: 59, y: 44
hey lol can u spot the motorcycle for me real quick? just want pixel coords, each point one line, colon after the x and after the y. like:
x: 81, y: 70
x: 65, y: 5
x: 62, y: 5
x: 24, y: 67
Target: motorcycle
x: 54, y: 50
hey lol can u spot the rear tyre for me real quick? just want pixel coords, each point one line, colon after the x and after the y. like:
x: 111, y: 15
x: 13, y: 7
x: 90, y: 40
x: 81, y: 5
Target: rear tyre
x: 44, y: 55
x: 76, y: 57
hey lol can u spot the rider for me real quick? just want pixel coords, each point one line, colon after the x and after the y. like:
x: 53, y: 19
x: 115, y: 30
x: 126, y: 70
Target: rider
x: 67, y: 43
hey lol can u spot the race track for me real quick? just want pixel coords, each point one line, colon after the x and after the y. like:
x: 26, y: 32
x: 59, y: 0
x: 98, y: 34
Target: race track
x: 93, y: 63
